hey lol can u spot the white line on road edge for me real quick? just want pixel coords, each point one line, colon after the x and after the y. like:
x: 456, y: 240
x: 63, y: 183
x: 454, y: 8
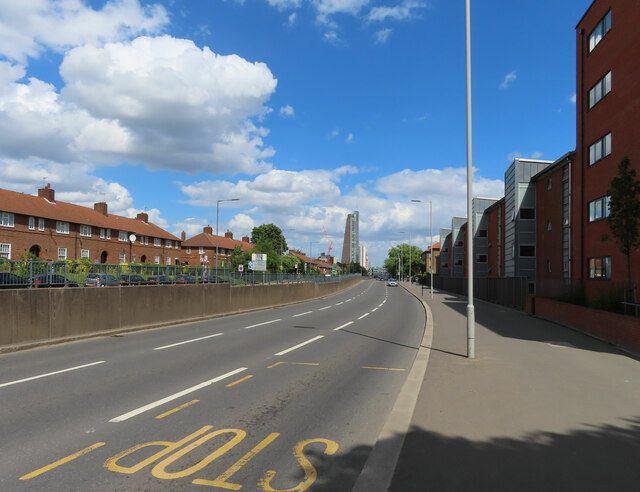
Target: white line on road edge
x: 175, y: 396
x: 300, y: 345
x: 339, y: 303
x: 343, y: 326
x: 374, y: 310
x: 364, y: 315
x: 187, y: 341
x: 322, y: 309
x: 349, y: 300
x: 301, y: 314
x: 265, y: 323
x: 51, y: 373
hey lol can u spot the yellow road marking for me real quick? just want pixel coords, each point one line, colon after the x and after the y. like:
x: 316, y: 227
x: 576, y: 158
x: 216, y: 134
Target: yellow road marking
x: 294, y: 363
x: 276, y: 364
x: 177, y: 409
x: 239, y: 380
x: 71, y: 457
x: 383, y: 368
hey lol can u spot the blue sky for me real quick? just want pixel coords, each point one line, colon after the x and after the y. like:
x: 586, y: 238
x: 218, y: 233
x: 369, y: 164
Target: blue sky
x: 305, y: 110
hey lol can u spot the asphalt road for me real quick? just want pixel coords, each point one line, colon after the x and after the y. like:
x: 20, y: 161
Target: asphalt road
x: 290, y: 398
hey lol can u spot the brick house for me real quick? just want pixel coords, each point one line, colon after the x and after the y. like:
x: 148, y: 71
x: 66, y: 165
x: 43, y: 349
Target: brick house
x: 53, y: 230
x: 201, y: 249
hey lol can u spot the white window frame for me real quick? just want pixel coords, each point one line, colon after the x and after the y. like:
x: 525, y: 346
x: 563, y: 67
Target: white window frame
x: 168, y: 262
x: 123, y: 257
x: 146, y: 240
x: 32, y: 223
x: 102, y: 233
x: 62, y: 227
x: 108, y: 234
x: 85, y: 230
x: 599, y: 208
x: 169, y: 243
x: 7, y: 219
x: 156, y: 260
x: 157, y: 242
x: 601, y: 88
x: 123, y: 236
x: 188, y: 250
x: 599, y: 32
x: 84, y: 253
x: 600, y: 149
x: 41, y: 225
x: 5, y: 250
x: 62, y: 254
x: 200, y: 251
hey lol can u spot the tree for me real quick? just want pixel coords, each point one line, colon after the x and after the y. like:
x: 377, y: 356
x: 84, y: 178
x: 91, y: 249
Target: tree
x: 407, y: 254
x: 269, y: 236
x: 624, y: 210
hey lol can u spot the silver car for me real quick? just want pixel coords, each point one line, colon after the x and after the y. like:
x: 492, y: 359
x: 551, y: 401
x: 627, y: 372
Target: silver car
x: 392, y: 282
x: 100, y: 280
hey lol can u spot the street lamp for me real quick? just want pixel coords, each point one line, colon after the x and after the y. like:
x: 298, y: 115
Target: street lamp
x: 218, y: 232
x: 430, y: 243
x: 402, y: 255
x: 471, y: 329
x: 282, y: 245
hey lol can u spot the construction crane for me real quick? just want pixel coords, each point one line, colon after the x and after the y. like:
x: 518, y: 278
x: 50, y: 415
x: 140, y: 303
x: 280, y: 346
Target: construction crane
x: 330, y: 244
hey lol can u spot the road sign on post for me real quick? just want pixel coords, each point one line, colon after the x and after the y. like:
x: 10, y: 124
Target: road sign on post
x: 259, y: 262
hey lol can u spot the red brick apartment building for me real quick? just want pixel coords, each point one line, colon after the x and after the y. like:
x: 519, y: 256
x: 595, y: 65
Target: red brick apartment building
x: 607, y: 128
x: 495, y: 234
x: 426, y: 258
x: 201, y: 249
x: 55, y: 230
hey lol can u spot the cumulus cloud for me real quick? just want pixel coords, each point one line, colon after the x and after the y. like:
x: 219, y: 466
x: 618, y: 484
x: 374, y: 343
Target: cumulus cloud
x: 399, y: 12
x: 508, y: 81
x: 241, y: 224
x: 381, y: 36
x: 287, y: 111
x: 285, y: 4
x: 349, y: 138
x: 328, y: 7
x: 572, y: 99
x: 28, y: 28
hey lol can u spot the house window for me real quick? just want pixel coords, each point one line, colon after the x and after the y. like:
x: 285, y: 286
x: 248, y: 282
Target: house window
x: 108, y: 233
x: 6, y: 219
x: 62, y: 227
x: 603, y: 27
x: 600, y: 267
x: 600, y: 149
x: 168, y: 261
x: 201, y: 251
x: 157, y: 241
x: 599, y: 209
x: 549, y: 184
x: 62, y: 253
x: 548, y: 225
x: 122, y: 235
x: 41, y: 224
x: 5, y: 251
x: 169, y: 243
x: 84, y: 253
x: 527, y: 213
x: 481, y: 258
x: 601, y: 89
x: 156, y: 260
x: 123, y: 257
x: 188, y: 250
x: 527, y: 250
x: 133, y: 258
x: 32, y: 223
x: 146, y: 240
x: 85, y: 230
x: 101, y: 233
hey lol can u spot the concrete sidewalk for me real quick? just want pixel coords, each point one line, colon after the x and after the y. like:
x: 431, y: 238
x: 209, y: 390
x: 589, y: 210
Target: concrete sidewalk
x: 540, y: 408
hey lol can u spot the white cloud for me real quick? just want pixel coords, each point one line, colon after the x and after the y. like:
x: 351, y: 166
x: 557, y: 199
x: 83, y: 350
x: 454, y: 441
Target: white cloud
x: 508, y: 81
x: 27, y: 28
x: 291, y: 20
x: 192, y: 226
x: 287, y: 111
x: 285, y: 4
x: 536, y: 155
x: 328, y: 7
x: 573, y: 98
x: 382, y: 36
x: 241, y: 224
x: 335, y: 132
x: 399, y: 12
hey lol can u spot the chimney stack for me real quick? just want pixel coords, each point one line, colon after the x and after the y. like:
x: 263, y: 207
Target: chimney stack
x: 47, y: 193
x: 143, y: 216
x: 101, y: 207
x: 228, y: 234
x: 208, y: 230
x: 245, y: 239
x: 183, y: 236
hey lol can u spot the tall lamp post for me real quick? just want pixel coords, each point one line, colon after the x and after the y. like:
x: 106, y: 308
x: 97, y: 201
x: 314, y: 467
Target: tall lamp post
x: 430, y: 242
x: 218, y: 232
x: 402, y: 254
x: 282, y: 246
x: 471, y: 329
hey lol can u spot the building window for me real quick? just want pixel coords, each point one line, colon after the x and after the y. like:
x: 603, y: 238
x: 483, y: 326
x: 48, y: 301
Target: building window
x: 549, y: 184
x: 32, y: 223
x: 123, y: 257
x: 459, y: 244
x: 157, y: 241
x: 169, y: 243
x: 62, y: 253
x: 600, y: 267
x: 482, y: 233
x: 481, y: 258
x: 101, y: 233
x: 156, y: 260
x: 41, y: 224
x: 133, y: 258
x: 527, y: 213
x: 168, y: 261
x: 188, y: 250
x: 600, y: 149
x: 146, y: 240
x: 549, y: 266
x: 6, y: 219
x: 85, y: 230
x: 458, y: 262
x: 62, y: 227
x: 122, y: 235
x: 603, y: 27
x: 5, y: 251
x: 527, y: 250
x: 84, y: 253
x: 599, y: 209
x: 601, y: 89
x: 201, y: 251
x: 548, y: 225
x: 108, y: 233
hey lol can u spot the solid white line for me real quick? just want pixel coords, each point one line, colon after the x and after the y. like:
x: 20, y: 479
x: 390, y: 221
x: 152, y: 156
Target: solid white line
x: 380, y: 305
x: 322, y: 309
x: 51, y: 373
x: 340, y: 303
x: 299, y: 345
x: 364, y: 315
x: 187, y: 341
x: 341, y: 327
x: 374, y: 310
x: 301, y: 314
x: 348, y: 300
x: 175, y: 396
x: 265, y: 323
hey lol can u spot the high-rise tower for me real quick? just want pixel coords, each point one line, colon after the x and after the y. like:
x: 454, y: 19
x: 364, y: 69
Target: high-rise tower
x: 351, y: 243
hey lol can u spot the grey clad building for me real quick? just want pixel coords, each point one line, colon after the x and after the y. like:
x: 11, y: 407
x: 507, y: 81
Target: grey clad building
x: 457, y: 246
x: 351, y: 243
x: 445, y: 248
x: 480, y: 235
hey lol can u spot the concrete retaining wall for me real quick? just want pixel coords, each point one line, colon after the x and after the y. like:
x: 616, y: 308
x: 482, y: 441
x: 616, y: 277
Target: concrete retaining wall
x: 35, y: 315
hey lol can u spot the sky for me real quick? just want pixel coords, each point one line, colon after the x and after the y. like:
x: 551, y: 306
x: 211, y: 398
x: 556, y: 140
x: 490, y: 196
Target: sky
x: 304, y: 110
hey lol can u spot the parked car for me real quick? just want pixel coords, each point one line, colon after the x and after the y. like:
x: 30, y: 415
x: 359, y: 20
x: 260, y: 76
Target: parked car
x: 184, y: 279
x: 159, y: 279
x: 12, y: 281
x: 52, y: 280
x: 132, y: 280
x: 392, y: 282
x: 212, y: 279
x: 100, y: 280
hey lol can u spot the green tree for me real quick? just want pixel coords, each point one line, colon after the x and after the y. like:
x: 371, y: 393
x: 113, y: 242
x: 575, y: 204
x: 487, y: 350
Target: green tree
x: 239, y: 257
x: 269, y: 236
x: 410, y: 262
x: 624, y: 210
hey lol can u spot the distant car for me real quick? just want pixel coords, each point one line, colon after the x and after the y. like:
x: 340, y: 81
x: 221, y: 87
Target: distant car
x: 12, y: 281
x: 392, y: 282
x: 184, y: 279
x: 100, y: 280
x: 52, y: 280
x: 132, y: 280
x: 212, y: 279
x: 159, y: 279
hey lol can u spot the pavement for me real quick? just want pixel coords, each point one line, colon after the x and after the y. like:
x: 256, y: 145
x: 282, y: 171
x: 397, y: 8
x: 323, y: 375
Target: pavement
x: 541, y: 407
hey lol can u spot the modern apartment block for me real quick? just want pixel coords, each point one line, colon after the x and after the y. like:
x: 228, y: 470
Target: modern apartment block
x: 495, y: 240
x: 481, y: 235
x: 457, y: 246
x: 444, y: 259
x: 351, y: 243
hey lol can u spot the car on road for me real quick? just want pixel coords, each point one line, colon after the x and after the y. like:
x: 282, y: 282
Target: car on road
x: 392, y: 282
x: 12, y: 281
x: 132, y: 279
x: 52, y: 280
x: 212, y: 279
x: 159, y: 279
x: 183, y: 278
x: 100, y: 280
